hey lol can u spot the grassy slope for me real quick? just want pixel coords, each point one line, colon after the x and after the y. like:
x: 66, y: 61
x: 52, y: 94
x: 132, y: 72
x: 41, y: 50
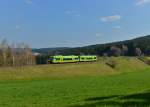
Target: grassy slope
x: 71, y: 85
x: 72, y: 69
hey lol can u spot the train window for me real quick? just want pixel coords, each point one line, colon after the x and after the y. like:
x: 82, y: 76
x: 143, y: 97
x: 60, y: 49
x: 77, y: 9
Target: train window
x: 89, y: 58
x: 51, y: 58
x: 76, y: 58
x: 57, y: 59
x: 67, y: 58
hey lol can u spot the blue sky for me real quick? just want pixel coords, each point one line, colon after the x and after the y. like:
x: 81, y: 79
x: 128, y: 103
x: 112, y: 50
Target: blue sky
x: 72, y: 23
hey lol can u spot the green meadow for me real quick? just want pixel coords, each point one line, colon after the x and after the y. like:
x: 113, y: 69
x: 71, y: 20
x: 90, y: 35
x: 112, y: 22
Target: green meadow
x: 90, y: 84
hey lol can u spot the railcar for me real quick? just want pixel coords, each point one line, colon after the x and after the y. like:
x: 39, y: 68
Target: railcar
x: 87, y: 58
x: 72, y: 58
x: 63, y: 59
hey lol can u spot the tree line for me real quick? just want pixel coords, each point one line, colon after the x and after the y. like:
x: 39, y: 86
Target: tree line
x: 111, y: 50
x: 114, y: 50
x: 134, y: 47
x: 123, y: 51
x: 15, y: 54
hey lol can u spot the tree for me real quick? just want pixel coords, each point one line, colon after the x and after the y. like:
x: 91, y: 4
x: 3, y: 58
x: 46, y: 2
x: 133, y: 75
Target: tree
x: 115, y: 51
x: 18, y: 55
x: 4, y: 46
x: 105, y: 54
x: 138, y: 51
x: 13, y: 54
x: 29, y: 57
x: 124, y: 50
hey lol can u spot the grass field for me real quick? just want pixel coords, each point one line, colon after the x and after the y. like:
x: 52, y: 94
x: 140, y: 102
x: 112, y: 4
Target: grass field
x: 77, y: 85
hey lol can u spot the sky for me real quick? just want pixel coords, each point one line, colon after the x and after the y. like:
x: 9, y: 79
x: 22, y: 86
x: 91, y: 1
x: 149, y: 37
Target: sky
x: 73, y: 23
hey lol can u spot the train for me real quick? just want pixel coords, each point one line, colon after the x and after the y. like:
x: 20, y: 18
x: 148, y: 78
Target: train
x: 71, y: 58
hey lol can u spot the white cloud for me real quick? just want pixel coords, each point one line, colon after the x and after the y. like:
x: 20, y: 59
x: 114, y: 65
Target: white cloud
x: 73, y: 13
x: 117, y: 27
x: 28, y: 2
x: 111, y: 18
x: 68, y: 12
x: 142, y: 2
x: 18, y: 27
x: 98, y: 34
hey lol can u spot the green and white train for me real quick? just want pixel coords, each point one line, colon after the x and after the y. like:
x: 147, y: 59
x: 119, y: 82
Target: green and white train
x: 72, y: 58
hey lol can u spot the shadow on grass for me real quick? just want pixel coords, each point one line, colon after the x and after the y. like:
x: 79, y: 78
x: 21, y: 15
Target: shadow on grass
x: 134, y: 100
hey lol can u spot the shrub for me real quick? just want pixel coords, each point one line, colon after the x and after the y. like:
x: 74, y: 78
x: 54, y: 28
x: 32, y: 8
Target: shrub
x: 112, y: 63
x: 148, y: 62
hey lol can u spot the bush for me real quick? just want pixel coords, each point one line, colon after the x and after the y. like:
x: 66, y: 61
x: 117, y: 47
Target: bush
x: 148, y: 62
x: 112, y: 63
x: 145, y: 60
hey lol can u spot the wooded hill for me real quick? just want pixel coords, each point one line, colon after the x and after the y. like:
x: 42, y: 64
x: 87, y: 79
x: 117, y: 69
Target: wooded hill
x: 137, y: 46
x: 47, y: 50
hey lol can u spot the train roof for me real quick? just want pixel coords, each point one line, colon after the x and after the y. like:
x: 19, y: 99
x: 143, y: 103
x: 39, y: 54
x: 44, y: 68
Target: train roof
x: 64, y: 56
x: 75, y: 56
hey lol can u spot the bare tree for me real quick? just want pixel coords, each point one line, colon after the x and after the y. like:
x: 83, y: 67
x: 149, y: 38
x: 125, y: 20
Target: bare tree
x: 115, y: 51
x: 105, y: 54
x: 4, y: 46
x: 29, y: 57
x: 8, y: 56
x: 138, y: 51
x: 124, y: 50
x: 15, y: 55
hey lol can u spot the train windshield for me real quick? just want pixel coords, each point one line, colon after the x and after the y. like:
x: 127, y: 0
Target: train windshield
x: 51, y: 58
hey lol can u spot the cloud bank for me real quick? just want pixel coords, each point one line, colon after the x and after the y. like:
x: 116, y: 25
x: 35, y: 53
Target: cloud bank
x: 142, y: 2
x: 111, y: 18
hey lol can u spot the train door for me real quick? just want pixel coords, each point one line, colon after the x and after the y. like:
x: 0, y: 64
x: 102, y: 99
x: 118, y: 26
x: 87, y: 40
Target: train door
x: 62, y: 59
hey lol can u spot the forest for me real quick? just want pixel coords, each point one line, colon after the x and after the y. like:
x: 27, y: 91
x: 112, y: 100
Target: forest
x: 134, y: 47
x: 15, y: 54
x: 21, y: 54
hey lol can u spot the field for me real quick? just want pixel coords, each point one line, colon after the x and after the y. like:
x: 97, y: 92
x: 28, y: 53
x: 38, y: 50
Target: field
x: 91, y: 84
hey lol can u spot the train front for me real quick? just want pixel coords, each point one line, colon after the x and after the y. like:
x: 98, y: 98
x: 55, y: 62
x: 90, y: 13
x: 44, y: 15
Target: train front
x: 50, y: 60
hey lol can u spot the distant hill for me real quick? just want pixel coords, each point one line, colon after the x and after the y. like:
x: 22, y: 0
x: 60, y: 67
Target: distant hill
x: 99, y: 49
x: 47, y: 50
